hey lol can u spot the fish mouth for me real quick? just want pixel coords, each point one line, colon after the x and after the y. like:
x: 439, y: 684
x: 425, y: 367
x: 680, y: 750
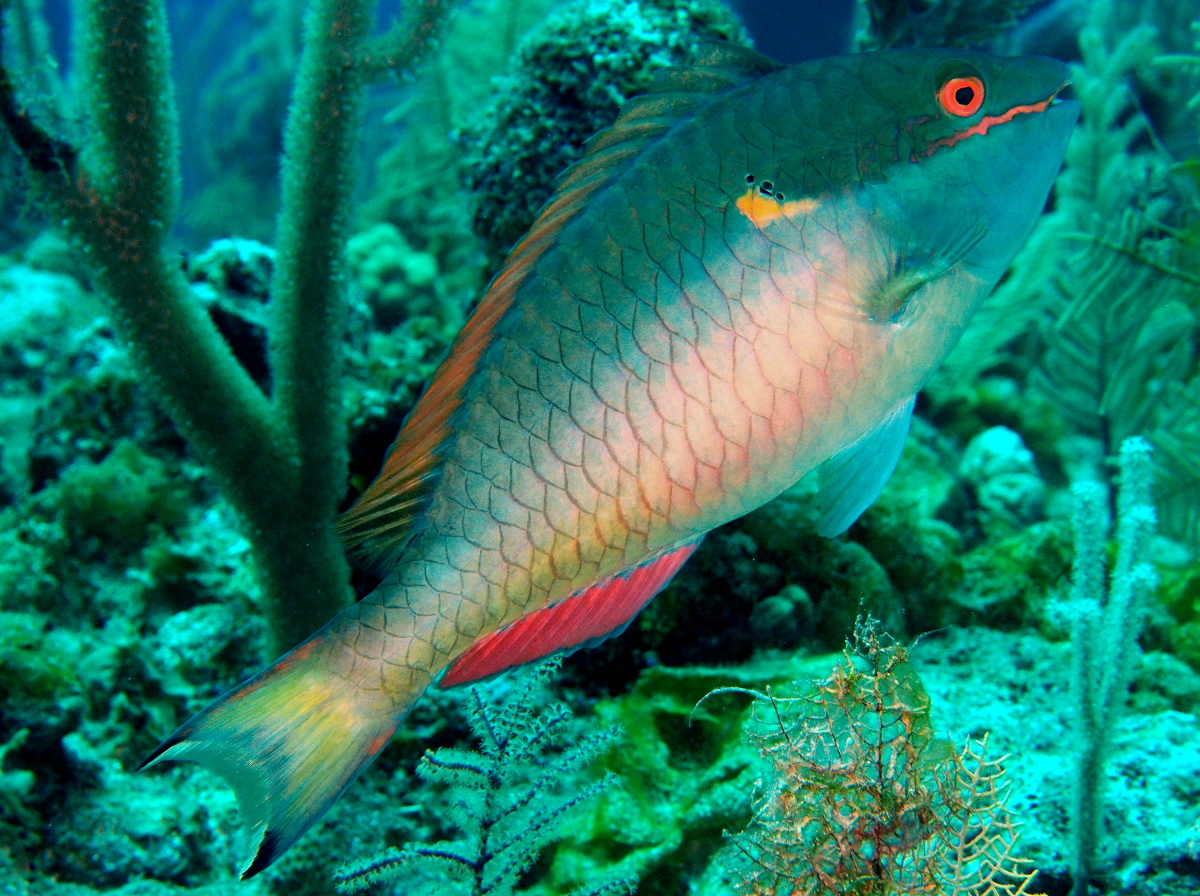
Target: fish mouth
x: 1063, y: 105
x: 1064, y: 94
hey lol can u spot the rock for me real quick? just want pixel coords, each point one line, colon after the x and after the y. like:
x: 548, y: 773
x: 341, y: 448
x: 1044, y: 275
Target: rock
x: 1008, y: 489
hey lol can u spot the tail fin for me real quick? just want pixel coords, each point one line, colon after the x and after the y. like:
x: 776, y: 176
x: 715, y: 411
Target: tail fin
x: 289, y: 741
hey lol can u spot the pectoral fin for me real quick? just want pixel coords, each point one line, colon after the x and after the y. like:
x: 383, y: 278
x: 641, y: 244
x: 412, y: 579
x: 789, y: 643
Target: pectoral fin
x: 852, y: 479
x: 916, y: 262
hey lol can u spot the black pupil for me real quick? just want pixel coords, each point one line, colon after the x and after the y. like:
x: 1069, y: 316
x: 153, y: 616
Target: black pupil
x: 964, y: 95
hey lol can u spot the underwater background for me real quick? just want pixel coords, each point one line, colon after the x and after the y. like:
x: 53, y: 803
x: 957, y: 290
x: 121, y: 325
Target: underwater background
x: 1033, y: 557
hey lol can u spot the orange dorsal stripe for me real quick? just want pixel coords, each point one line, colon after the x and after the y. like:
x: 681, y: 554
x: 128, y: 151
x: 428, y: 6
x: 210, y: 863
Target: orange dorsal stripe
x: 376, y: 529
x: 377, y: 526
x: 591, y: 615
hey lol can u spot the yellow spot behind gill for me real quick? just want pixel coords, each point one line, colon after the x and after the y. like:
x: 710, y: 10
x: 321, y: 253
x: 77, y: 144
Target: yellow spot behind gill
x: 763, y: 210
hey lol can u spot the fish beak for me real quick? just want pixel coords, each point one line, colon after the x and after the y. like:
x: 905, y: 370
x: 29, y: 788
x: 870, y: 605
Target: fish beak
x: 1065, y: 93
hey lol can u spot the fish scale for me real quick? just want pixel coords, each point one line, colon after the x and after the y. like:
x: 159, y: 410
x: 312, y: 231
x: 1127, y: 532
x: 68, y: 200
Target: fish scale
x: 748, y: 277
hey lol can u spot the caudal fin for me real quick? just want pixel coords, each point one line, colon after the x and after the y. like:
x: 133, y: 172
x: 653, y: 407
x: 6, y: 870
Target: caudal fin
x: 289, y: 741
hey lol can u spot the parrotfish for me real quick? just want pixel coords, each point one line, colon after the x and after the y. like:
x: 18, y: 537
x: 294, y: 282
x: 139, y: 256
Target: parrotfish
x: 746, y: 278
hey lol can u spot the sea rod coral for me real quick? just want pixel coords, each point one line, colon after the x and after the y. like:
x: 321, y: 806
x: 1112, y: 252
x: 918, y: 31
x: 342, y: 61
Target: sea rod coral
x: 280, y: 459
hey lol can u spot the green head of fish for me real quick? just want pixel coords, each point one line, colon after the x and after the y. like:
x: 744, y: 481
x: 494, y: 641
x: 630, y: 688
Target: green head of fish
x: 979, y: 138
x: 896, y: 188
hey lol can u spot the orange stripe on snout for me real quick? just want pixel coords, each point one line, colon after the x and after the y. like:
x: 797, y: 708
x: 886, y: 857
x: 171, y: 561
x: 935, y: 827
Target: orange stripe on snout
x: 982, y: 126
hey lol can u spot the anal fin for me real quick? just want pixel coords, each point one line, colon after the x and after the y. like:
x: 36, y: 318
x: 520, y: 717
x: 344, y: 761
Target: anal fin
x: 586, y: 618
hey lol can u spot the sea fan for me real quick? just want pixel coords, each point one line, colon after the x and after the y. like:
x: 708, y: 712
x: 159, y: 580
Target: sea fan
x: 1113, y: 163
x: 504, y: 799
x: 1124, y: 334
x: 865, y: 800
x: 1178, y: 464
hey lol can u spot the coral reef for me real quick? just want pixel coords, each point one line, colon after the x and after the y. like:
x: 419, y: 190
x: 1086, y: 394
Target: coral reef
x: 685, y: 775
x: 117, y: 193
x: 1099, y: 311
x: 127, y: 599
x: 232, y: 278
x: 395, y: 279
x: 415, y: 171
x: 1011, y: 686
x: 1008, y: 492
x: 570, y: 78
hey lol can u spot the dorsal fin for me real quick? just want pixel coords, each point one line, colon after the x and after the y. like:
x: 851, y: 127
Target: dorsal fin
x: 747, y: 61
x: 581, y: 620
x: 378, y: 526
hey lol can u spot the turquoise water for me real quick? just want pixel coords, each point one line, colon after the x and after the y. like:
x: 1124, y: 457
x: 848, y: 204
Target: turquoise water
x: 130, y: 597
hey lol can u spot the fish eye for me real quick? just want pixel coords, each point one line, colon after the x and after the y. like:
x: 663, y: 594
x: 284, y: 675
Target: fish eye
x: 961, y: 96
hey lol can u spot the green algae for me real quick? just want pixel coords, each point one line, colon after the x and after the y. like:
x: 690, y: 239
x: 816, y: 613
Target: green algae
x: 1006, y: 583
x: 1179, y: 593
x: 686, y: 775
x: 396, y: 280
x: 15, y: 784
x: 119, y: 500
x: 35, y: 663
x: 27, y: 579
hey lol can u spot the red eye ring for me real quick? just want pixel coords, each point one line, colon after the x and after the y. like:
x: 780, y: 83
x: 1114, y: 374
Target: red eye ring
x: 961, y: 96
